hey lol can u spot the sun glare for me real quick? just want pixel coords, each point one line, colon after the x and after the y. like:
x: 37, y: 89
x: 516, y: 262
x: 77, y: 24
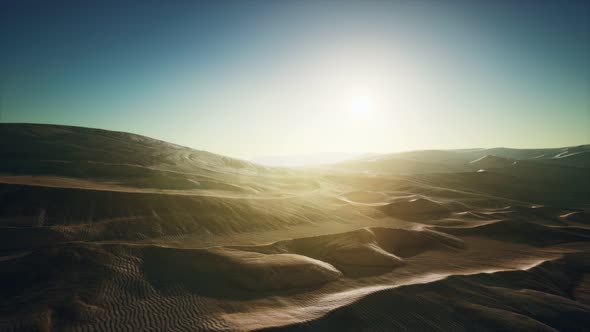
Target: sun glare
x: 361, y: 106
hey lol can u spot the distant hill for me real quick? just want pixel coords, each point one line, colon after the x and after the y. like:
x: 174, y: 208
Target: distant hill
x: 307, y: 159
x: 69, y: 143
x: 491, y: 161
x: 433, y: 161
x: 118, y: 157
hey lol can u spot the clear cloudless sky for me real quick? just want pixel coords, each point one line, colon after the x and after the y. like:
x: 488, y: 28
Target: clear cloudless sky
x: 251, y: 78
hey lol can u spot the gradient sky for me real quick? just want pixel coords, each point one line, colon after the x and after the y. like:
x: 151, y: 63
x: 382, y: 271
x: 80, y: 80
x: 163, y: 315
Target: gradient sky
x: 251, y: 78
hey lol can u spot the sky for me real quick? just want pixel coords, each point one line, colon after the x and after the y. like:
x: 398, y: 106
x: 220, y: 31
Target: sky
x: 258, y: 78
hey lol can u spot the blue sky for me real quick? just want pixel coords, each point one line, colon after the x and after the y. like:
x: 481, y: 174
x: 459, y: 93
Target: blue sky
x: 250, y: 78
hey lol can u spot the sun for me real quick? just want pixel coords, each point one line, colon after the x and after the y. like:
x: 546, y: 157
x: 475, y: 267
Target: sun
x: 361, y: 106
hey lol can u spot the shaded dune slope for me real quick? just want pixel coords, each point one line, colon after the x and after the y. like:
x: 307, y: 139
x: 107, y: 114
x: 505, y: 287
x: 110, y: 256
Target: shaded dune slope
x: 368, y: 250
x: 416, y: 209
x: 539, y: 299
x: 223, y: 272
x: 523, y: 232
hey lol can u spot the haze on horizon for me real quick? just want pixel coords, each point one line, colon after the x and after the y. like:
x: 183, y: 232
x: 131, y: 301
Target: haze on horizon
x: 249, y: 79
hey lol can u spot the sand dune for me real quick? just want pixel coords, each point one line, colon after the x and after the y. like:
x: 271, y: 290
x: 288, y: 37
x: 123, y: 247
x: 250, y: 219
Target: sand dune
x: 445, y: 161
x: 112, y: 231
x: 490, y: 161
x: 506, y: 301
x: 577, y: 216
x: 354, y: 252
x: 218, y: 270
x: 524, y: 232
x: 416, y: 208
